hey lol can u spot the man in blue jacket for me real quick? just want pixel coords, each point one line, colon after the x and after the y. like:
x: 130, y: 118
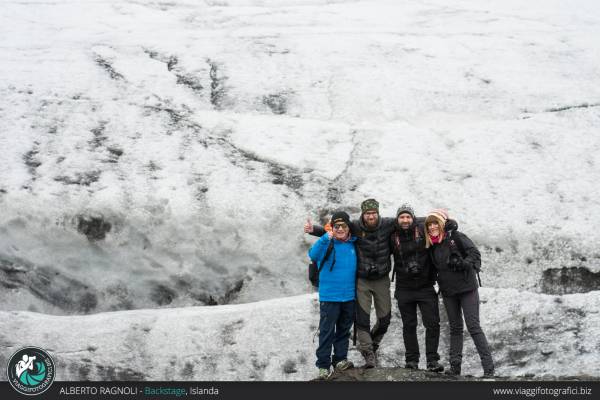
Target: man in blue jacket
x: 337, y: 293
x: 373, y: 285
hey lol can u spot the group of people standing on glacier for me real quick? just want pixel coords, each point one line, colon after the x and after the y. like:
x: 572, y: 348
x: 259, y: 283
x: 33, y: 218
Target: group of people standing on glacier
x: 354, y: 260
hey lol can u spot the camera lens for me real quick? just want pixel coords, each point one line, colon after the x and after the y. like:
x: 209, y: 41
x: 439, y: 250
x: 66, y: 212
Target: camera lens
x: 413, y: 267
x: 454, y: 261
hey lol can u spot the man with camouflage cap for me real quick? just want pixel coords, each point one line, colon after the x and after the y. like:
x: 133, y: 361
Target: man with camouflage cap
x: 373, y: 284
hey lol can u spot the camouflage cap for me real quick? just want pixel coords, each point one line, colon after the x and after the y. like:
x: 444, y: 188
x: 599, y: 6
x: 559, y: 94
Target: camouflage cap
x: 369, y: 205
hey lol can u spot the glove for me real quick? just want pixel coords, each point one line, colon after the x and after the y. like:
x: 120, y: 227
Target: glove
x: 456, y: 263
x: 451, y: 225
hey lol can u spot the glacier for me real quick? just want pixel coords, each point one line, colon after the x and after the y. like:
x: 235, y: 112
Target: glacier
x: 160, y: 158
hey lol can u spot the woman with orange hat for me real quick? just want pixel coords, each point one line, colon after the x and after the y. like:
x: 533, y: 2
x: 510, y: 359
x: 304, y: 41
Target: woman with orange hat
x: 457, y: 261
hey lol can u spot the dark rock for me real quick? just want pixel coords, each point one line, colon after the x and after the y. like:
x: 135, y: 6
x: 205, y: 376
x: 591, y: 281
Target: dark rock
x: 31, y: 161
x: 94, y: 228
x: 83, y: 179
x: 188, y: 371
x: 565, y: 108
x: 232, y: 292
x: 285, y: 176
x: 229, y: 330
x: 211, y: 301
x: 87, y: 302
x: 334, y: 195
x: 152, y: 166
x: 289, y: 367
x: 325, y: 212
x: 84, y: 372
x: 190, y: 81
x: 569, y: 280
x: 518, y: 357
x: 119, y: 296
x: 116, y: 152
x: 162, y: 295
x: 175, y: 116
x: 61, y: 291
x: 217, y: 85
x: 171, y: 63
x: 259, y: 365
x: 108, y: 67
x: 276, y: 102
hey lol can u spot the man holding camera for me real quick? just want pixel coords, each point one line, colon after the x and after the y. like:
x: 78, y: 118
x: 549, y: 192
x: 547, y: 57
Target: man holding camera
x: 415, y: 277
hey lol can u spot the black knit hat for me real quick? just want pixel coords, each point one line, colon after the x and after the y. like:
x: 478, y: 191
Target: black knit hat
x: 405, y: 209
x: 340, y: 216
x: 369, y: 205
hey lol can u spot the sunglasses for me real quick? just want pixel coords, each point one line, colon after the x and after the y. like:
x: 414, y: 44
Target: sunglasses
x: 340, y: 226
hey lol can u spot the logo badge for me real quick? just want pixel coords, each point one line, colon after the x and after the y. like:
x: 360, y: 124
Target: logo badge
x: 30, y: 371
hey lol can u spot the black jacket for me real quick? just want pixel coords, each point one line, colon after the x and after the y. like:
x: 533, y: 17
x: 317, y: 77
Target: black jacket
x: 372, y: 246
x: 408, y: 246
x: 455, y: 282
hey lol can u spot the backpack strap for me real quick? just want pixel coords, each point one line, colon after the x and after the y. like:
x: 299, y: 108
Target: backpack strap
x: 396, y: 239
x: 398, y: 245
x: 330, y: 249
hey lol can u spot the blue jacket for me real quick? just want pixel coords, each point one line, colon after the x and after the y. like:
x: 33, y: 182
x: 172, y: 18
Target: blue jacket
x: 339, y: 283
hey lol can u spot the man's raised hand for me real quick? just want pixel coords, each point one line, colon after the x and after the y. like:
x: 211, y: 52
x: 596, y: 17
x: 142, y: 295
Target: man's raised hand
x: 308, y: 226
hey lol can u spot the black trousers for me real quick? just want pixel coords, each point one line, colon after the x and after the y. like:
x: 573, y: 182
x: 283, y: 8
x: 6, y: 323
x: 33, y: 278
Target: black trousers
x: 426, y: 299
x: 467, y: 304
x: 334, y: 331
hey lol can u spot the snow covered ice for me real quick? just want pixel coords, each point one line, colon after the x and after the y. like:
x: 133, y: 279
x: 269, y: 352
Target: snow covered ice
x: 166, y: 154
x: 532, y: 334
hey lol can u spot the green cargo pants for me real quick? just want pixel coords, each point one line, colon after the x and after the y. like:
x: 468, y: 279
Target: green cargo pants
x: 378, y: 292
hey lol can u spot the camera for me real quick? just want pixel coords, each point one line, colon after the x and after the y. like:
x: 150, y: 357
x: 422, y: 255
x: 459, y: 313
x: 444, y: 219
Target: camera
x: 455, y: 263
x: 372, y: 271
x: 413, y: 267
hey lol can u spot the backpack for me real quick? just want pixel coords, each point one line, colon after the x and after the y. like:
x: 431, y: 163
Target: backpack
x: 314, y: 270
x: 457, y: 243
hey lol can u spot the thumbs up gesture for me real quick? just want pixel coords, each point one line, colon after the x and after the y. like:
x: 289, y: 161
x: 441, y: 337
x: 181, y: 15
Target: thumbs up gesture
x: 308, y: 226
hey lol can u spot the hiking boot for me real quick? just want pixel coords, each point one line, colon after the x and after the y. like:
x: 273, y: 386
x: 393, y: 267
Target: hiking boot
x: 411, y: 365
x: 435, y: 366
x: 488, y: 374
x: 370, y: 360
x: 454, y: 370
x: 344, y: 365
x: 323, y: 374
x: 375, y: 347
